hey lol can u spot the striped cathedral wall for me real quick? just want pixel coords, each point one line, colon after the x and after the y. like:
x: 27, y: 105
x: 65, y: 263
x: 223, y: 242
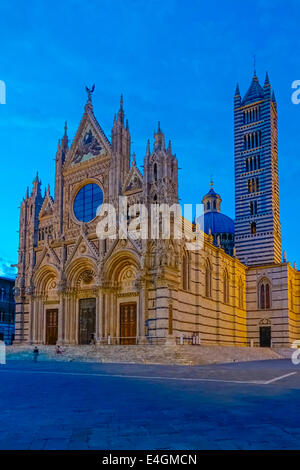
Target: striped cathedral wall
x: 193, y: 312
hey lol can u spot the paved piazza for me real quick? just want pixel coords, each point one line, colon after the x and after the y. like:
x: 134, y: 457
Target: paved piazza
x: 68, y: 405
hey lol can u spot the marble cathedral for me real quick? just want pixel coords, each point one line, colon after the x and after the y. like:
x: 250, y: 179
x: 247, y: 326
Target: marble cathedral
x: 73, y: 287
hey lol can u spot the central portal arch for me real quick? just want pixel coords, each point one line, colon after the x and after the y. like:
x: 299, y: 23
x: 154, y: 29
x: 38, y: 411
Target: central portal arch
x: 82, y: 303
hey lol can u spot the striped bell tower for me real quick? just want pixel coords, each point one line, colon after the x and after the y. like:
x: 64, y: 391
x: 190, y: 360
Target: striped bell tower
x: 257, y: 225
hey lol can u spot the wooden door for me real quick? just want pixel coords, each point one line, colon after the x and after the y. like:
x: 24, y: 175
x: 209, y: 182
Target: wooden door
x: 128, y: 323
x: 265, y: 336
x: 87, y: 320
x: 51, y: 326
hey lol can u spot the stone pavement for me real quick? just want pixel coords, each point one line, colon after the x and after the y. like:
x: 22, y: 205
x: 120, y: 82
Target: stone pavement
x: 60, y: 405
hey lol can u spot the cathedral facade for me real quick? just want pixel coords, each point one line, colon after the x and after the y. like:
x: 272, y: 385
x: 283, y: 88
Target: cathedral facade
x: 74, y: 287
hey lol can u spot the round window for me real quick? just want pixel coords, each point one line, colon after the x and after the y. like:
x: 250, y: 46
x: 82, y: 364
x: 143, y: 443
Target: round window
x: 87, y: 202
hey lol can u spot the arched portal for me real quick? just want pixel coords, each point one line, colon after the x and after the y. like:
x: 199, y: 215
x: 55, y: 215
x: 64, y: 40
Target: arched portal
x: 123, y: 318
x: 45, y: 306
x: 81, y: 312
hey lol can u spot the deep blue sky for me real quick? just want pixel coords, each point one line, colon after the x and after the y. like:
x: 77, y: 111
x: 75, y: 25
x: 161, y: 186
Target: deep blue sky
x: 174, y: 61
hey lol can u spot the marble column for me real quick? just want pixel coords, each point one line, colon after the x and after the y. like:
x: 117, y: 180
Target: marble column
x: 141, y: 317
x: 99, y: 326
x: 72, y: 320
x: 61, y: 314
x: 104, y: 319
x: 97, y: 315
x: 31, y: 319
x: 41, y: 322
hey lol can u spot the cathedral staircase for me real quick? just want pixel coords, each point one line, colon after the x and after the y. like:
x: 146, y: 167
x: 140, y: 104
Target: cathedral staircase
x: 148, y: 354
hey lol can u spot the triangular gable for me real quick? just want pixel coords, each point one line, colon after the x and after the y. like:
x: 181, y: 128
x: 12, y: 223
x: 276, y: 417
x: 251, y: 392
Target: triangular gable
x: 47, y: 207
x: 47, y: 256
x: 90, y: 141
x: 82, y: 249
x: 133, y: 182
x: 123, y: 244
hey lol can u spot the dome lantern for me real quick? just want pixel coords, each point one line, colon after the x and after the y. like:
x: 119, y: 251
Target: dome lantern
x: 212, y: 200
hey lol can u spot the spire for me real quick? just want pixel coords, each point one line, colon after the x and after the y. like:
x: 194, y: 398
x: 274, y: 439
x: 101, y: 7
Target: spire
x: 158, y: 128
x: 36, y: 190
x: 237, y: 97
x: 65, y: 139
x: 169, y: 149
x: 211, y: 182
x: 255, y: 91
x: 148, y: 148
x: 121, y: 111
x: 159, y: 142
x: 133, y: 159
x: 273, y: 97
x: 267, y: 86
x: 267, y: 81
x: 36, y: 179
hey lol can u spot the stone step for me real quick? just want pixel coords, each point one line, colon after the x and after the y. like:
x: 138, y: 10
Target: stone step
x: 155, y: 354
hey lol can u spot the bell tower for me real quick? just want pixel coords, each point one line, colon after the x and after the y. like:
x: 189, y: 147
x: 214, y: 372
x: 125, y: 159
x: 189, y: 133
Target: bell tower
x: 257, y: 225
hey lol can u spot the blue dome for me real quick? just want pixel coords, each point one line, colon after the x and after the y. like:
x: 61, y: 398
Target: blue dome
x: 216, y: 222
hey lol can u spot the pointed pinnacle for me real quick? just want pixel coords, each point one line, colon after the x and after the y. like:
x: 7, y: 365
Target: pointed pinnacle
x: 267, y: 80
x: 148, y: 148
x: 237, y: 90
x: 133, y: 159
